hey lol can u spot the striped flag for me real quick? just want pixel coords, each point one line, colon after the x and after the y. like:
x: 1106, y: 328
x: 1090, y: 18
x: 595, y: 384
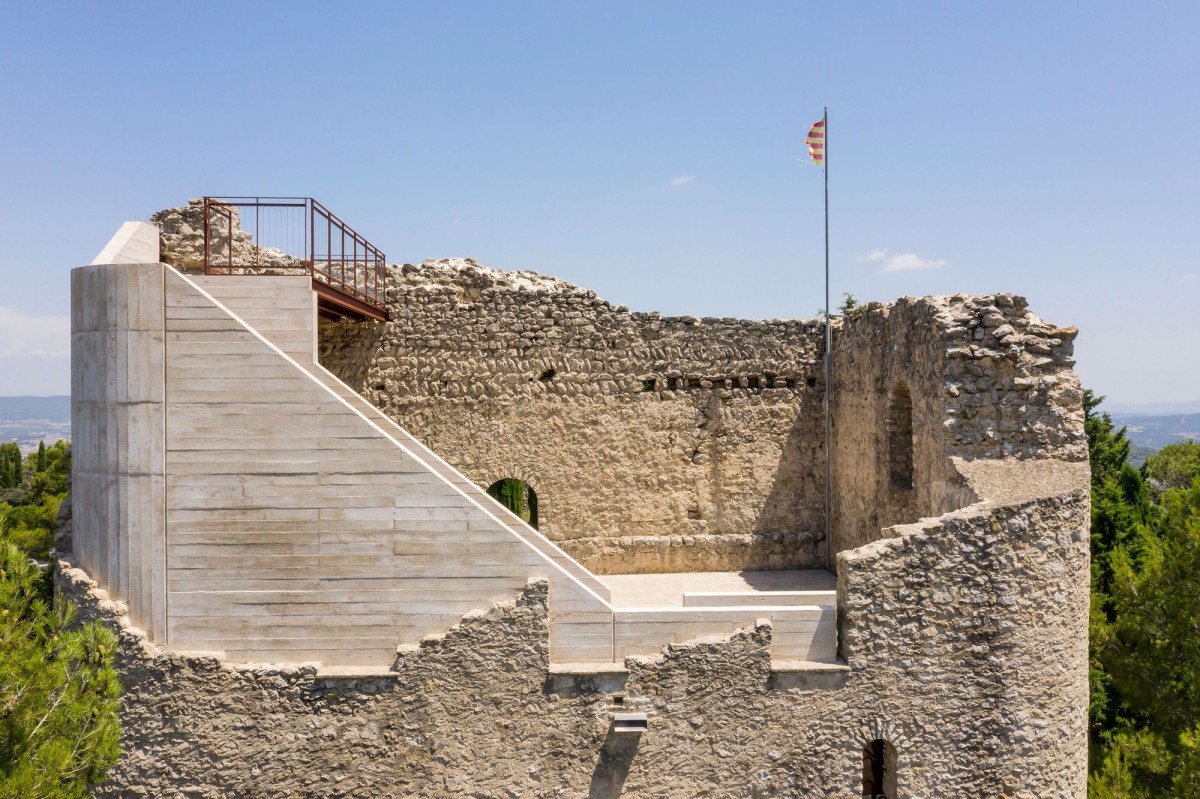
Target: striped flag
x: 816, y: 143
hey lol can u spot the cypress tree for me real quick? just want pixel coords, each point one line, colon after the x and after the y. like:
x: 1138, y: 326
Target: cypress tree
x: 10, y: 465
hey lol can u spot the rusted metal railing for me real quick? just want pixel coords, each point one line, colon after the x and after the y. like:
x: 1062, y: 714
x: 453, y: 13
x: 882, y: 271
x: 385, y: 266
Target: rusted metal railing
x: 296, y: 235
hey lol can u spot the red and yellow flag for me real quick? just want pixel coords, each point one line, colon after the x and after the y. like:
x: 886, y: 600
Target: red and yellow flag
x: 816, y: 143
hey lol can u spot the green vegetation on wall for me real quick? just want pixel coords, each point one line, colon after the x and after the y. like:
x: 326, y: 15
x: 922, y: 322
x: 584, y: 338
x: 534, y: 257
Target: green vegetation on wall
x: 1145, y: 642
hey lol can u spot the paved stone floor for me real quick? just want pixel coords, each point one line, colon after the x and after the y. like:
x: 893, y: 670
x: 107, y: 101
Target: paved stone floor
x: 666, y: 590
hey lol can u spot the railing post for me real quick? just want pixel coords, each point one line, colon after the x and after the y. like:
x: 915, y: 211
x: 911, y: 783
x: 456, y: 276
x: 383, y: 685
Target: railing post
x: 207, y: 237
x: 360, y: 287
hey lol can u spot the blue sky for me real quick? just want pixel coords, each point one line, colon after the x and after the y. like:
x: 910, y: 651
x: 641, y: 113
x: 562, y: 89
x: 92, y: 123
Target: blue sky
x: 646, y: 150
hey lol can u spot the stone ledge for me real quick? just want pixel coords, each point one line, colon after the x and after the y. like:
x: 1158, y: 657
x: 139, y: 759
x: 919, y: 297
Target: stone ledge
x: 809, y: 675
x: 587, y: 669
x: 355, y: 673
x: 810, y: 667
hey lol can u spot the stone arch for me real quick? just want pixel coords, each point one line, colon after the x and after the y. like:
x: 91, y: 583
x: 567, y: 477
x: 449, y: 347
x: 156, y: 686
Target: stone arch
x: 520, y: 471
x: 879, y: 769
x: 519, y: 496
x: 881, y: 744
x: 900, y: 437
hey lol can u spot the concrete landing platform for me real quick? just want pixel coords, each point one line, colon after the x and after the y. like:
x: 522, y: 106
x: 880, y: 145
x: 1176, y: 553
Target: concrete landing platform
x: 726, y: 589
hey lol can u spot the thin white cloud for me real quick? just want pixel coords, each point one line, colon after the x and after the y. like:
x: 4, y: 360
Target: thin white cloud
x: 680, y: 182
x: 1190, y: 277
x: 44, y: 336
x: 903, y: 262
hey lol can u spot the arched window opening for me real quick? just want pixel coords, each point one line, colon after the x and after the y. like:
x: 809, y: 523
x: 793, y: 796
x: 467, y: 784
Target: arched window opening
x: 900, y: 437
x: 518, y: 496
x: 879, y: 770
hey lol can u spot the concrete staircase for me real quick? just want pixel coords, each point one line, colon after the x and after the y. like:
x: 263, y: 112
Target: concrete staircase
x: 369, y: 485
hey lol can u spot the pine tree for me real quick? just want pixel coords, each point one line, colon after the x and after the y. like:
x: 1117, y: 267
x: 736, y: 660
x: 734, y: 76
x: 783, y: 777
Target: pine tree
x: 1108, y: 451
x: 41, y: 457
x: 59, y: 728
x: 1145, y: 644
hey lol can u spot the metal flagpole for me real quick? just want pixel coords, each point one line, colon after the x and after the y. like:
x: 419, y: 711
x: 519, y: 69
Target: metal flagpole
x: 828, y: 347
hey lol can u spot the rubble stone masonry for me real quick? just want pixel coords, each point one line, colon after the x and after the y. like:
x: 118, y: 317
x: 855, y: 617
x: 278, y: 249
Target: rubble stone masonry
x: 654, y: 443
x: 965, y: 640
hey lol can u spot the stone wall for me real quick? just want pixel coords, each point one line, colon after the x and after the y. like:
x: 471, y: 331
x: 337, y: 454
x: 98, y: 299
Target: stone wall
x: 966, y: 644
x: 987, y: 379
x: 681, y: 444
x: 654, y: 443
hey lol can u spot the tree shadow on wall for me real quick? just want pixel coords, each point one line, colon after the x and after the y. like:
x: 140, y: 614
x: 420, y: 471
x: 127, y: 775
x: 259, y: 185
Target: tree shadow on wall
x: 608, y: 778
x: 795, y: 503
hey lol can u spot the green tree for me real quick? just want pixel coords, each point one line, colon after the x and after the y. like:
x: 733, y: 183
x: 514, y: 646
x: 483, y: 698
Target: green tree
x: 32, y: 527
x: 11, y: 475
x: 55, y: 479
x: 518, y: 496
x: 1174, y: 466
x: 41, y: 457
x: 1108, y: 448
x: 59, y: 728
x: 1145, y: 643
x: 1150, y: 650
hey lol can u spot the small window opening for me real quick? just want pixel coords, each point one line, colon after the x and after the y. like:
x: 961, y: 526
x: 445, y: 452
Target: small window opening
x: 648, y: 385
x: 811, y: 382
x: 547, y: 375
x: 518, y: 496
x: 879, y: 770
x: 900, y: 438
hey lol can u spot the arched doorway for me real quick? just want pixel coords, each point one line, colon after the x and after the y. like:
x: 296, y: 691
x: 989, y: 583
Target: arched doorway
x: 518, y: 496
x: 879, y: 770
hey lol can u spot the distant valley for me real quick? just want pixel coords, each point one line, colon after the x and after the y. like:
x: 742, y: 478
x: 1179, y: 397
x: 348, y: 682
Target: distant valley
x: 28, y: 420
x: 1157, y: 430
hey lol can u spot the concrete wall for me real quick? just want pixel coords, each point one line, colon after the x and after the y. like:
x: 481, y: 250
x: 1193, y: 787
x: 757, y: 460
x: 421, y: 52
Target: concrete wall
x: 637, y: 431
x: 282, y: 306
x: 297, y: 523
x: 299, y: 530
x: 118, y: 420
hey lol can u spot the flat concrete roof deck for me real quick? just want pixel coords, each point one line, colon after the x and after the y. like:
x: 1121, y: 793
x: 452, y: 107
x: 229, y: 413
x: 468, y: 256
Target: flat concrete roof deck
x: 667, y: 590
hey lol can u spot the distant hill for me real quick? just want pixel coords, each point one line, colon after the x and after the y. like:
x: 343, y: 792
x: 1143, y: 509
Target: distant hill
x: 1151, y: 408
x: 28, y: 420
x: 52, y: 409
x: 1138, y: 455
x: 1157, y: 430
